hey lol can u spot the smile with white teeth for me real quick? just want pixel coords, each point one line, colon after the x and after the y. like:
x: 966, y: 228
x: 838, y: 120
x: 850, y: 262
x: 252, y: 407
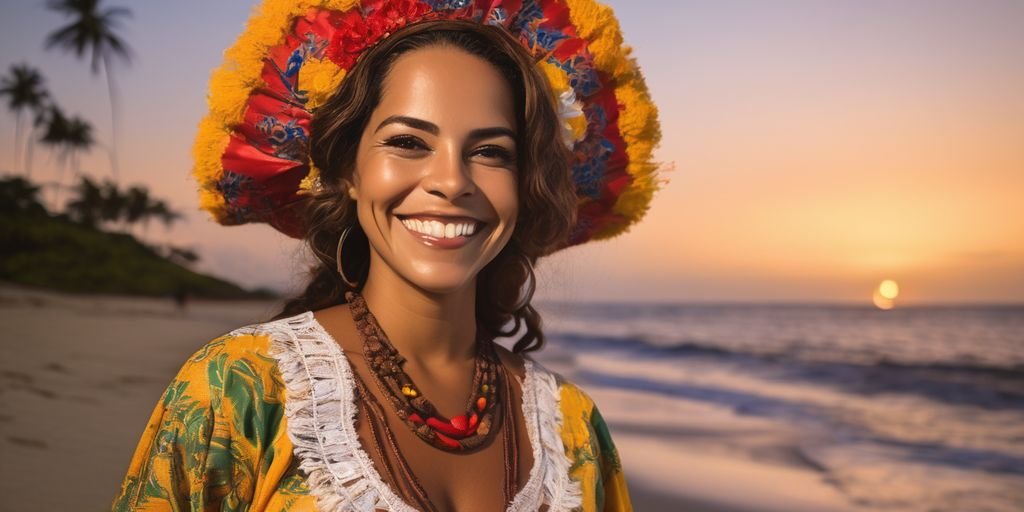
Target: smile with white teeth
x: 437, y: 229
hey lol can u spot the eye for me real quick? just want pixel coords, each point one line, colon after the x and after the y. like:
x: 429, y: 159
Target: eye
x: 407, y: 143
x: 497, y: 153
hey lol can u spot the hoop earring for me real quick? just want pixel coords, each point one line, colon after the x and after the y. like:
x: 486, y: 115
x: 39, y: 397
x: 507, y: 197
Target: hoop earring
x: 337, y: 257
x: 532, y: 282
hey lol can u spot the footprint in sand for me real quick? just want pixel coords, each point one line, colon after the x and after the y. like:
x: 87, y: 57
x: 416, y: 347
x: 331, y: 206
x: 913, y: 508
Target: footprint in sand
x: 16, y: 381
x: 28, y: 442
x: 56, y: 367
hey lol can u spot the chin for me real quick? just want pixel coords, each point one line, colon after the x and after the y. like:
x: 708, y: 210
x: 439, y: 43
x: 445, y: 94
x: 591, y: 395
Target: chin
x: 440, y: 278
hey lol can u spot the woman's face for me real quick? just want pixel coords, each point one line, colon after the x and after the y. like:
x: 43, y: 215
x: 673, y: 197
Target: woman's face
x: 435, y: 178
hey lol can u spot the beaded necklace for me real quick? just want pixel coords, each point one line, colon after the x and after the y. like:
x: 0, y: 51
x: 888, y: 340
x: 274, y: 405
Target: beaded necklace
x: 459, y: 434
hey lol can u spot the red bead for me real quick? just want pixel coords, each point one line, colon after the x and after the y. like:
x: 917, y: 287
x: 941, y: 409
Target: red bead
x: 415, y: 418
x: 481, y: 403
x: 473, y: 420
x: 459, y: 422
x: 447, y: 441
x: 444, y: 427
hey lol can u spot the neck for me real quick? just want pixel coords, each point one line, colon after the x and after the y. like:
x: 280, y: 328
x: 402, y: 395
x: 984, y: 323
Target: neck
x: 431, y: 330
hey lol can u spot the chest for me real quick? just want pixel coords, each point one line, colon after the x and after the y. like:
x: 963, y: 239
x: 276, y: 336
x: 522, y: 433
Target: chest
x: 338, y: 467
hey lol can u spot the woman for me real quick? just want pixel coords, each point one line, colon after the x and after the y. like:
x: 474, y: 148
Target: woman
x: 443, y: 174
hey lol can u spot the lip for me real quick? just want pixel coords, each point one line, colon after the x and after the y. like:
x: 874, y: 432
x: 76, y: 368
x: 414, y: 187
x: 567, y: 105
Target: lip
x: 439, y: 216
x: 442, y: 243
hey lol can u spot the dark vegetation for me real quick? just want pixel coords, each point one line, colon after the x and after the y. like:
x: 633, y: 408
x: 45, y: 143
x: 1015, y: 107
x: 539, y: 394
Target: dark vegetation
x: 88, y: 242
x: 70, y: 253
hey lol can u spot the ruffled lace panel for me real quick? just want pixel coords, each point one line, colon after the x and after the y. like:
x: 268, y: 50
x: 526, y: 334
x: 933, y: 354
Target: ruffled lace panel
x: 321, y: 411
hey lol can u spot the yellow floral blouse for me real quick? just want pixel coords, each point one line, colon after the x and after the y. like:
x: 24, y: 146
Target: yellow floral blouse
x: 263, y: 419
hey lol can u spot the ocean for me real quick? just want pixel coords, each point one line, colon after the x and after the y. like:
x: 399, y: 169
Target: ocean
x: 914, y: 408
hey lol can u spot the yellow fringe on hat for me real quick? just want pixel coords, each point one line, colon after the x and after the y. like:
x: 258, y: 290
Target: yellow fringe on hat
x: 638, y: 120
x: 233, y: 82
x: 308, y: 184
x: 556, y: 76
x: 319, y: 78
x: 558, y: 81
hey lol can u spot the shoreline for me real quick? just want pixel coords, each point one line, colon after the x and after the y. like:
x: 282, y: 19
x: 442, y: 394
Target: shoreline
x: 81, y: 374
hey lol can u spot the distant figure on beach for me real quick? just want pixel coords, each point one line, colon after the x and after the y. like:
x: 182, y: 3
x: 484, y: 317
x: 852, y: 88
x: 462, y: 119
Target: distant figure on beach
x: 428, y: 153
x: 181, y: 299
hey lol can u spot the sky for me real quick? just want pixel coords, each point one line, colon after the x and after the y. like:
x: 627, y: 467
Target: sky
x: 812, y: 149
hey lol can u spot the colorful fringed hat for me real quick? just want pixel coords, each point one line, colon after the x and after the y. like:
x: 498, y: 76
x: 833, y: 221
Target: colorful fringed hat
x: 251, y: 153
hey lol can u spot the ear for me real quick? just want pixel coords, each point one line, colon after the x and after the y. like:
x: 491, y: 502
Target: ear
x: 350, y: 189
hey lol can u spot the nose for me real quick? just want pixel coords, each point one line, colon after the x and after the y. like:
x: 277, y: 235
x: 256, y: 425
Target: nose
x: 449, y: 175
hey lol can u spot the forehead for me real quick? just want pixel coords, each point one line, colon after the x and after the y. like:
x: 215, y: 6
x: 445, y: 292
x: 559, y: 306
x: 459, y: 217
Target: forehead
x: 447, y: 86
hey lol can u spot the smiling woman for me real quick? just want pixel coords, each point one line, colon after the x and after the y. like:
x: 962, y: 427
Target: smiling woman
x: 442, y: 168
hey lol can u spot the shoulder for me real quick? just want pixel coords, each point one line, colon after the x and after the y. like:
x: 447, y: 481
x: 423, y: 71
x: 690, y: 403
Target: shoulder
x: 242, y: 359
x: 590, y: 457
x: 569, y: 395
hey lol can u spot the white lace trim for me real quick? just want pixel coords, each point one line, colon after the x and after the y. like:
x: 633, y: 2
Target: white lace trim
x: 321, y: 412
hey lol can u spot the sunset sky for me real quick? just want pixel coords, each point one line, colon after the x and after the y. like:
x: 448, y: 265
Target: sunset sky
x: 816, y: 148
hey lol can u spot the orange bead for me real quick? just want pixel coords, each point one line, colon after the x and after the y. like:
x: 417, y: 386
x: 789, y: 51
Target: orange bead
x: 481, y: 403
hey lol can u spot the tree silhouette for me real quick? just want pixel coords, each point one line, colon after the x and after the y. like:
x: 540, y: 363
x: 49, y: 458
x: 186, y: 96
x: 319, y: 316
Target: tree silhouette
x: 40, y: 118
x: 18, y: 195
x: 113, y: 205
x: 93, y: 29
x: 137, y: 203
x: 68, y: 137
x: 103, y: 203
x: 160, y: 210
x: 85, y: 208
x: 24, y: 89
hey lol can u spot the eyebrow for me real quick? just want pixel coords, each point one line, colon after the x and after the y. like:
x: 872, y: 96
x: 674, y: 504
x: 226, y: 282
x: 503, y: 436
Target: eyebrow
x: 431, y: 128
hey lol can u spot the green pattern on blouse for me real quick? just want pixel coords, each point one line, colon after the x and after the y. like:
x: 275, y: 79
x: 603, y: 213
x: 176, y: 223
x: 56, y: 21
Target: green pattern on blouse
x: 216, y: 442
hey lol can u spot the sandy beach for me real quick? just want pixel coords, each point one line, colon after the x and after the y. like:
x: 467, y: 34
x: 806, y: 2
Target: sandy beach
x: 80, y: 375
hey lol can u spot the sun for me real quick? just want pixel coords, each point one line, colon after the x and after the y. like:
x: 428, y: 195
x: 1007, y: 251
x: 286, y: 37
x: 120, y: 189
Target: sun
x: 889, y: 289
x: 885, y: 294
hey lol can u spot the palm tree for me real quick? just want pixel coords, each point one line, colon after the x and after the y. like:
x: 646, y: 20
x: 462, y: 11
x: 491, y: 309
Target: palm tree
x: 112, y: 207
x: 85, y: 208
x: 18, y: 195
x: 40, y: 118
x: 94, y: 29
x: 24, y: 90
x: 68, y: 137
x: 54, y: 133
x: 78, y: 139
x: 160, y: 210
x: 137, y: 203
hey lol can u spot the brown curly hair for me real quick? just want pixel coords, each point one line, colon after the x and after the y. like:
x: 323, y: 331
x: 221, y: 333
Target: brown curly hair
x: 547, y: 198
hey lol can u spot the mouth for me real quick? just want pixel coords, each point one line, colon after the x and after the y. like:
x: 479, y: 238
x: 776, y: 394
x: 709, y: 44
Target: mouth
x: 442, y: 231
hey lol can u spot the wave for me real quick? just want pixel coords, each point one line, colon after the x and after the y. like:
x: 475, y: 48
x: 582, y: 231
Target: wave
x: 966, y: 383
x: 697, y: 348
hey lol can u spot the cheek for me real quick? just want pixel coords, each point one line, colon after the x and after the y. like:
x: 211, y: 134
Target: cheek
x: 503, y: 194
x: 383, y: 180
